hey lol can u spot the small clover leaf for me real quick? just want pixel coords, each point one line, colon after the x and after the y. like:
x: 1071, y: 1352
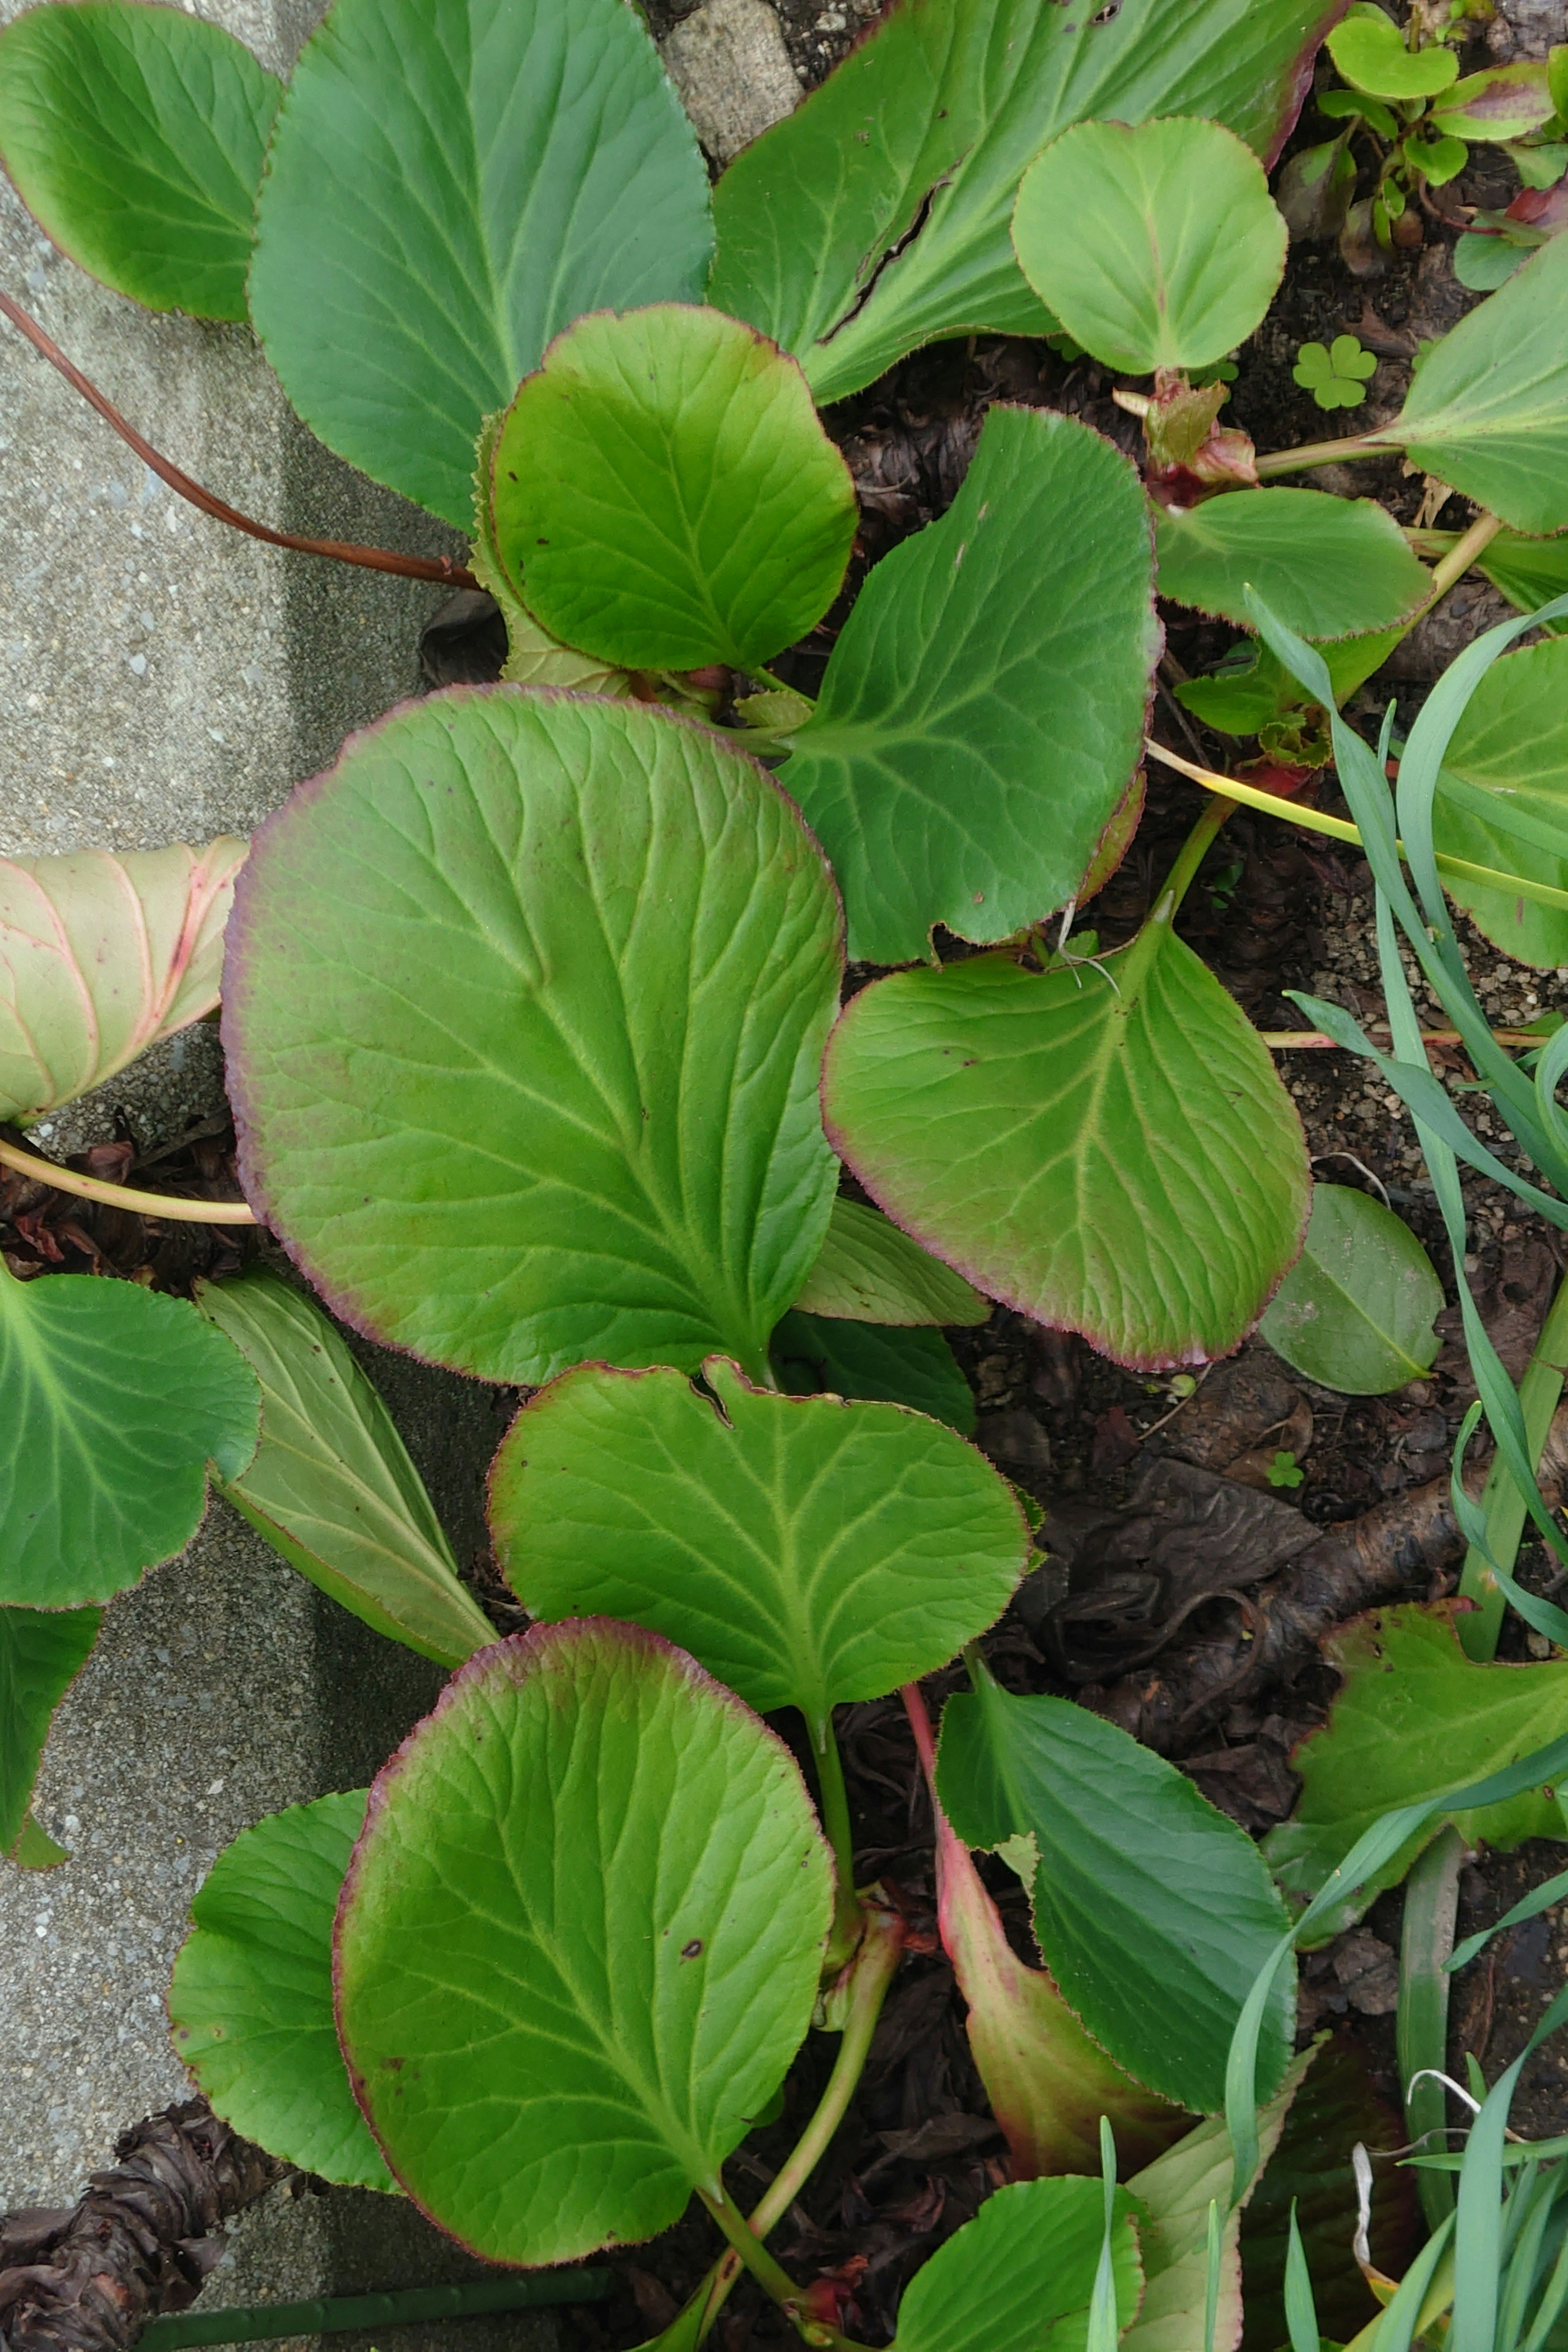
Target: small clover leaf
x: 1336, y: 377
x: 1283, y: 1470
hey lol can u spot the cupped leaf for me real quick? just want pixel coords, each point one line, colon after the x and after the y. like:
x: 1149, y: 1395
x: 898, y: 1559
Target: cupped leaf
x: 1488, y: 412
x: 524, y: 1016
x: 1414, y: 1716
x: 116, y: 1398
x: 450, y: 183
x: 805, y: 1551
x: 101, y: 956
x: 813, y: 1354
x: 1177, y: 248
x: 982, y: 711
x: 1503, y: 798
x: 1153, y: 1912
x: 1503, y: 102
x: 665, y: 496
x: 1110, y: 1151
x: 135, y: 137
x: 1343, y: 566
x: 250, y: 2002
x: 561, y: 2014
x: 1355, y: 1310
x: 42, y: 1650
x: 874, y: 218
x: 533, y: 657
x: 1020, y: 2276
x: 1371, y: 51
x: 1529, y: 572
x: 871, y: 1272
x: 331, y: 1486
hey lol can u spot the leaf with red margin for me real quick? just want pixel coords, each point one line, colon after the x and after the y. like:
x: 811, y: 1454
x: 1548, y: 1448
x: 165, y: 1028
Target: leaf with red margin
x: 579, y: 1941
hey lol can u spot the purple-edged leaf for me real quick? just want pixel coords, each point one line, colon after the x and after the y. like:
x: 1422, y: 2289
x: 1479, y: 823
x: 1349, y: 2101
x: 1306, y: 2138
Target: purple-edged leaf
x: 524, y: 1019
x: 101, y: 956
x: 579, y: 1941
x: 41, y: 1653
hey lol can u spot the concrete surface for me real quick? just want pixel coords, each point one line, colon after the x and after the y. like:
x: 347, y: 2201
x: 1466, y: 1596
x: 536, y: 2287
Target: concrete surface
x: 162, y: 677
x: 729, y: 64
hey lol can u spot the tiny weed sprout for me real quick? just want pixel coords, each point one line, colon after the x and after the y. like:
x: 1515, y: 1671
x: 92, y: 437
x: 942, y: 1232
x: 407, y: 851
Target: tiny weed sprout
x: 694, y: 1032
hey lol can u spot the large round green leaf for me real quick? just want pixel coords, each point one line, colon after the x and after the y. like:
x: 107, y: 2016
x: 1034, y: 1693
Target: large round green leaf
x: 1330, y: 567
x: 982, y: 712
x: 1021, y: 2275
x: 116, y: 1398
x: 452, y: 183
x: 135, y: 137
x: 1355, y: 1310
x: 1112, y: 1151
x: 251, y: 1998
x: 1503, y: 798
x: 1487, y: 411
x: 665, y: 496
x: 1175, y: 248
x: 871, y: 1271
x: 579, y: 1941
x: 1153, y: 1912
x: 42, y: 1650
x: 806, y: 1550
x: 524, y: 1005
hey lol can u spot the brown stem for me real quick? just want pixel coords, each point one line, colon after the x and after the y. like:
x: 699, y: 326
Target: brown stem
x: 141, y: 2240
x: 370, y: 558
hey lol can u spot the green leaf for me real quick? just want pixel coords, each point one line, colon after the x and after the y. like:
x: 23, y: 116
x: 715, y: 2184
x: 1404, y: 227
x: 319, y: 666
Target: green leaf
x: 1414, y: 1717
x: 1488, y: 412
x: 35, y: 1850
x: 805, y: 1551
x: 1341, y: 567
x: 1109, y: 1151
x: 599, y: 1134
x: 250, y: 2002
x: 1354, y: 1313
x: 115, y: 1399
x: 811, y: 1354
x: 1484, y: 263
x: 874, y: 218
x: 452, y: 183
x: 331, y: 1487
x: 1252, y: 686
x: 871, y: 1271
x: 135, y: 137
x: 1370, y: 50
x: 1529, y: 572
x: 42, y: 1650
x: 1153, y: 1911
x: 982, y: 712
x: 1019, y: 2278
x: 533, y: 657
x: 1178, y: 249
x: 665, y: 496
x: 1503, y: 798
x: 562, y: 2015
x: 101, y: 956
x: 1503, y: 102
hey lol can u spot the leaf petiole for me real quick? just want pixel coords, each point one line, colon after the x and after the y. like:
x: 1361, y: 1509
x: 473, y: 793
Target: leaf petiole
x: 849, y: 1924
x: 774, y: 2281
x: 124, y: 1196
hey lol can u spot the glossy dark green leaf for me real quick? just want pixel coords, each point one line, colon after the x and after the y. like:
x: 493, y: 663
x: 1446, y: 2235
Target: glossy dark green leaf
x: 1487, y: 411
x: 874, y: 218
x: 250, y: 2002
x: 871, y: 1272
x: 805, y: 1551
x: 1019, y: 2277
x: 452, y: 183
x: 983, y: 711
x: 1355, y: 1311
x: 560, y: 2015
x: 1112, y: 1151
x: 331, y: 1487
x: 116, y: 1398
x: 1153, y: 1912
x: 1503, y: 798
x: 135, y: 137
x: 42, y: 1650
x: 1177, y: 248
x: 665, y: 496
x: 1341, y: 566
x: 1414, y: 1717
x: 813, y: 1353
x: 524, y: 1005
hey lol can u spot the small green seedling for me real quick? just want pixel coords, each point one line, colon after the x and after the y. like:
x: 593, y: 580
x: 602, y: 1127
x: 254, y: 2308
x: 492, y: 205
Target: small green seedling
x: 1336, y: 374
x: 1283, y: 1470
